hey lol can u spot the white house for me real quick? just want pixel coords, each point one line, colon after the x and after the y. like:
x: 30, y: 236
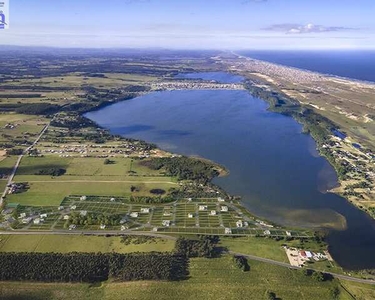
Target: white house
x: 224, y: 208
x: 239, y: 224
x: 73, y: 207
x: 123, y: 220
x: 228, y: 231
x: 123, y: 227
x: 213, y: 213
x: 145, y: 210
x: 166, y: 223
x: 37, y: 221
x: 220, y: 199
x: 134, y: 215
x: 267, y: 232
x: 102, y: 226
x: 83, y: 213
x: 22, y: 215
x: 190, y: 216
x: 166, y: 214
x: 26, y: 220
x: 72, y: 227
x: 83, y: 198
x: 112, y: 199
x: 66, y: 217
x: 288, y: 233
x: 202, y: 207
x: 60, y: 208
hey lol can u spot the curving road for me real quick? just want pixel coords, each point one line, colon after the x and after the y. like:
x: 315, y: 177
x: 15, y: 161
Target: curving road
x: 286, y: 265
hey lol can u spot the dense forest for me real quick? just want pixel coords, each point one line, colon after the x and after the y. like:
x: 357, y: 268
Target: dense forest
x: 205, y: 246
x: 184, y: 168
x: 92, y: 267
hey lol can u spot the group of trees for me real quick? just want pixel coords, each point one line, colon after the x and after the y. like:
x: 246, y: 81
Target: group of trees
x: 205, y: 246
x: 152, y: 266
x: 37, y: 109
x: 185, y: 168
x: 51, y: 172
x: 149, y: 200
x: 14, y: 151
x: 93, y: 219
x: 241, y: 263
x: 92, y: 267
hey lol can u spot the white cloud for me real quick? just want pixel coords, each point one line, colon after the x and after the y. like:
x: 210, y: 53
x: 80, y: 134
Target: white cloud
x: 308, y: 28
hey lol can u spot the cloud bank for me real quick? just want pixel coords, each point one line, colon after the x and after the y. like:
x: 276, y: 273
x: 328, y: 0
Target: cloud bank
x: 309, y: 28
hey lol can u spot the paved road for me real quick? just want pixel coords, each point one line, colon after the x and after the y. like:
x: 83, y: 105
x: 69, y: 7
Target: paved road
x: 286, y: 265
x: 11, y: 176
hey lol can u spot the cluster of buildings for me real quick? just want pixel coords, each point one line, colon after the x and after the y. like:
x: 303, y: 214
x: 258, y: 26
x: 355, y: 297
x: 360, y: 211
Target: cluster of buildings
x: 271, y: 69
x: 195, y: 85
x: 100, y: 151
x: 299, y: 257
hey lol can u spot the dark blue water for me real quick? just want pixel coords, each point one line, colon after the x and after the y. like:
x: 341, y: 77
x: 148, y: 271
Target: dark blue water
x: 352, y: 64
x: 273, y: 166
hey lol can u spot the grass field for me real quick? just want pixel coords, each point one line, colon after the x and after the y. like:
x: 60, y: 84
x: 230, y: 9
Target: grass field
x: 79, y: 243
x: 52, y: 193
x: 209, y: 279
x: 85, y: 176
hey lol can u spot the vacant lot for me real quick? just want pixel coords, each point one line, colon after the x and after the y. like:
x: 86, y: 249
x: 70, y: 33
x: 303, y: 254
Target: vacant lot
x: 71, y: 243
x: 51, y: 193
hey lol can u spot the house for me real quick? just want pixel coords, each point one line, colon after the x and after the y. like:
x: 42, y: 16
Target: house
x: 145, y: 210
x: 190, y: 216
x: 44, y: 215
x: 267, y: 232
x: 123, y: 227
x: 112, y: 200
x: 308, y: 254
x: 123, y: 220
x: 83, y: 213
x: 83, y: 198
x: 60, y: 208
x: 155, y: 229
x: 66, y: 217
x: 72, y: 227
x: 224, y: 208
x: 228, y: 231
x: 166, y: 223
x: 102, y: 226
x: 239, y: 224
x: 202, y: 207
x: 134, y: 215
x: 213, y: 213
x: 303, y: 254
x: 73, y: 207
x: 220, y: 199
x: 22, y: 215
x: 37, y: 221
x: 26, y: 220
x: 190, y: 199
x: 288, y: 233
x: 166, y: 214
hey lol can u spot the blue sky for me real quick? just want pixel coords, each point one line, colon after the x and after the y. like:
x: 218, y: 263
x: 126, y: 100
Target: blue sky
x: 220, y: 24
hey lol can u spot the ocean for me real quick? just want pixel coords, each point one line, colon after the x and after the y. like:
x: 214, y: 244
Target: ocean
x: 355, y: 64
